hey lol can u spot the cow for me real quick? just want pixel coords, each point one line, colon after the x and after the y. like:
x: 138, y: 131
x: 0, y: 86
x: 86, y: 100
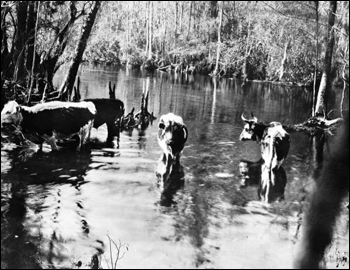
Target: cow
x: 51, y: 121
x: 172, y: 136
x: 274, y: 144
x: 110, y: 112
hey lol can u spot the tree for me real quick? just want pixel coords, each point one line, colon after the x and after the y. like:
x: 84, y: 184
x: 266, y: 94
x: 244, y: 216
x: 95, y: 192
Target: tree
x: 321, y: 104
x: 220, y: 6
x: 68, y: 83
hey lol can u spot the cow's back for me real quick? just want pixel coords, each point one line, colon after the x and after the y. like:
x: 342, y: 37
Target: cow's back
x: 275, y: 144
x: 62, y: 117
x: 108, y: 110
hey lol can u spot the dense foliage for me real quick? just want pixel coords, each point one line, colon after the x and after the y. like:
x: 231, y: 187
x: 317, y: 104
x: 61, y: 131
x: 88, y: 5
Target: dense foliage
x: 278, y: 41
x: 186, y: 32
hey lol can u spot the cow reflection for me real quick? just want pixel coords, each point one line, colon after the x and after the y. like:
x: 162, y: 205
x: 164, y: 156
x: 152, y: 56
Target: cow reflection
x: 175, y: 181
x: 256, y: 174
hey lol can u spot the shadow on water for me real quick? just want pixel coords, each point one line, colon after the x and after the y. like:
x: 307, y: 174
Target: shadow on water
x: 35, y: 186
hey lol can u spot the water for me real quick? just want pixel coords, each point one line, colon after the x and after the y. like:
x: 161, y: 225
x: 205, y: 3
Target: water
x: 58, y: 210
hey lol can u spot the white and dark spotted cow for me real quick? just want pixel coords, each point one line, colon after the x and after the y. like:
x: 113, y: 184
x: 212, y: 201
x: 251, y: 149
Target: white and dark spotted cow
x: 274, y: 142
x: 51, y: 121
x: 172, y: 136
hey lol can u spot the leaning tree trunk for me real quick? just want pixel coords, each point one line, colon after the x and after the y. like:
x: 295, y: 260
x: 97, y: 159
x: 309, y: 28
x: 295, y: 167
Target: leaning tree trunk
x: 67, y: 85
x: 33, y: 54
x: 321, y: 104
x: 284, y: 60
x: 50, y: 61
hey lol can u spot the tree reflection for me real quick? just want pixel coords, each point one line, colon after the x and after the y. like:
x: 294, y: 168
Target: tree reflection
x: 40, y: 193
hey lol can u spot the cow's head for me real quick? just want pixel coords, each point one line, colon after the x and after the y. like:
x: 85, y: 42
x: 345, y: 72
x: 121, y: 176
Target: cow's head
x: 172, y: 134
x: 11, y: 114
x: 250, y: 128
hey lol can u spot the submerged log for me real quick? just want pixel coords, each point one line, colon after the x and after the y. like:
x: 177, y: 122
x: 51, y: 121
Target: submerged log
x: 141, y: 119
x: 316, y: 125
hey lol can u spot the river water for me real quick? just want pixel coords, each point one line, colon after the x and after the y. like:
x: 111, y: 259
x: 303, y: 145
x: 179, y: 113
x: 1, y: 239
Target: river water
x: 65, y: 209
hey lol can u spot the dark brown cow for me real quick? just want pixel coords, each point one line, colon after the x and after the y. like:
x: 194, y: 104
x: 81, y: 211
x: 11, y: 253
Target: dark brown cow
x: 108, y: 112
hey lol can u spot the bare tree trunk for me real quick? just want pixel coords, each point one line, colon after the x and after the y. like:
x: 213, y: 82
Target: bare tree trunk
x: 18, y: 47
x: 216, y: 71
x: 5, y: 54
x: 176, y: 16
x: 147, y: 26
x: 345, y: 86
x: 30, y: 29
x: 150, y: 31
x: 50, y: 62
x: 314, y: 93
x: 181, y: 15
x: 34, y: 49
x: 67, y: 85
x: 247, y: 53
x: 189, y: 20
x: 321, y: 104
x: 284, y: 59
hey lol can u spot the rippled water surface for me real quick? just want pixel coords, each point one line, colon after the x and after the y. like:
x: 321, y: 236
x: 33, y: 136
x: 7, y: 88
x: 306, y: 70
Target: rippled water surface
x: 59, y: 209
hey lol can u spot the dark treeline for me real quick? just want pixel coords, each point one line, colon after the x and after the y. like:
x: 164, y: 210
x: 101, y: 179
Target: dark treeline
x: 283, y: 41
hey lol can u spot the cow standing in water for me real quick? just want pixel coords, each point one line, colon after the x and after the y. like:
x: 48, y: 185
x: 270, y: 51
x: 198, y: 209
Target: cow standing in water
x: 172, y: 136
x: 51, y: 121
x: 110, y: 112
x: 274, y: 142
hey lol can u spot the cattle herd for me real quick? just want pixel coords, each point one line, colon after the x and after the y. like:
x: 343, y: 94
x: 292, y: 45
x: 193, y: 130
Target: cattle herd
x: 52, y: 121
x: 57, y: 120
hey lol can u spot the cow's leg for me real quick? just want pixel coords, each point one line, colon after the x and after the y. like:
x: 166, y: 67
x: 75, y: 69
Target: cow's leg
x: 164, y: 170
x: 265, y: 183
x: 84, y: 134
x: 52, y: 142
x: 113, y: 130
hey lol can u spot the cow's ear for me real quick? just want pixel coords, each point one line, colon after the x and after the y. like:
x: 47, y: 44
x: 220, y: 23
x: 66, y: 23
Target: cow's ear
x: 185, y: 132
x: 18, y: 109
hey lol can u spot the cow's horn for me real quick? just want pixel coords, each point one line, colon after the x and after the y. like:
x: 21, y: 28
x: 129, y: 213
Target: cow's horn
x: 254, y: 118
x: 243, y: 118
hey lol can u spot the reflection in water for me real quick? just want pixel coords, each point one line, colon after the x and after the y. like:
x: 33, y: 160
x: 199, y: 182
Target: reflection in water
x: 38, y: 185
x: 175, y: 180
x: 252, y: 174
x: 269, y: 190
